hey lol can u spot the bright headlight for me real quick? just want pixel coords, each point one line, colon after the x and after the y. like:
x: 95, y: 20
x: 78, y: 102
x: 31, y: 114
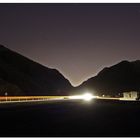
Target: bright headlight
x: 86, y: 97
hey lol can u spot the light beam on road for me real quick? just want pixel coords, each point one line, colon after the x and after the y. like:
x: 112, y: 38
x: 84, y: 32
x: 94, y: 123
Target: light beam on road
x: 86, y: 97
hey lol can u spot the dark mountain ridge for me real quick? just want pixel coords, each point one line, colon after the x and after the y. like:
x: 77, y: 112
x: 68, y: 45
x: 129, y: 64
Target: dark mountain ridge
x: 122, y: 77
x: 22, y: 76
x: 29, y: 77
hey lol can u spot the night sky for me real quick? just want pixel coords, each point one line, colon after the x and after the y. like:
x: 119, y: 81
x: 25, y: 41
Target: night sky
x: 79, y: 40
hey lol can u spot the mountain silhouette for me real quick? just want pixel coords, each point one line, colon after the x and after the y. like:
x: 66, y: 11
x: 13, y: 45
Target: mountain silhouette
x: 122, y: 77
x: 22, y: 76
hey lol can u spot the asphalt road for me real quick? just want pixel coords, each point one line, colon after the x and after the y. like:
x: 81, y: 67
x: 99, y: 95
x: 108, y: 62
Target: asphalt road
x: 28, y: 99
x: 68, y: 118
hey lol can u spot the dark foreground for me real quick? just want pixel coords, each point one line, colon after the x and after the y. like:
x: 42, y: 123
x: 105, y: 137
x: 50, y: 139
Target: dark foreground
x: 71, y: 118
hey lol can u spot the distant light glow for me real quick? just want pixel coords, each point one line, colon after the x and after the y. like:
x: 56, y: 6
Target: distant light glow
x: 86, y: 97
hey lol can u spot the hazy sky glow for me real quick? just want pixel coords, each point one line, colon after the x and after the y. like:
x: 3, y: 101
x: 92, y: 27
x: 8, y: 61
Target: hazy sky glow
x: 77, y: 39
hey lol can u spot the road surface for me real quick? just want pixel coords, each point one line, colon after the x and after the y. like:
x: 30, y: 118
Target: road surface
x: 14, y: 99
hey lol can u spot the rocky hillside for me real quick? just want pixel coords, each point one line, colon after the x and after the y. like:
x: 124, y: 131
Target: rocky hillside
x: 124, y: 76
x: 26, y: 77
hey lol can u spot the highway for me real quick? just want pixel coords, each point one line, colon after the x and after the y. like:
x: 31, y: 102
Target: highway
x: 86, y: 97
x: 14, y: 99
x: 20, y: 99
